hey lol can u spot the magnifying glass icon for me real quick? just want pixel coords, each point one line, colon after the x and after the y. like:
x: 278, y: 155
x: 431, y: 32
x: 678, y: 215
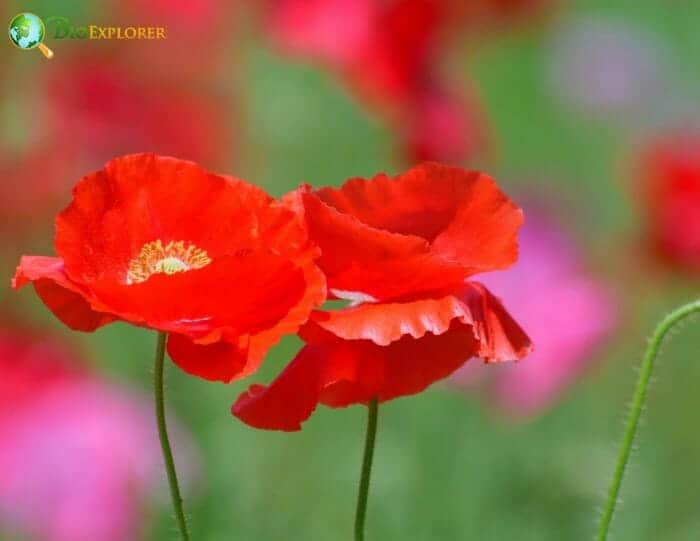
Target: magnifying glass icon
x: 27, y: 32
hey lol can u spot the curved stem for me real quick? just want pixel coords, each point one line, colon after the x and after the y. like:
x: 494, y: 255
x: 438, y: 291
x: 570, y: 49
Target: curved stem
x: 163, y: 435
x: 637, y: 405
x: 370, y: 438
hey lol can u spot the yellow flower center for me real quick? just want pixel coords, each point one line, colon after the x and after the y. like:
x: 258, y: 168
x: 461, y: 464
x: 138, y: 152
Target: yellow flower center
x: 154, y: 258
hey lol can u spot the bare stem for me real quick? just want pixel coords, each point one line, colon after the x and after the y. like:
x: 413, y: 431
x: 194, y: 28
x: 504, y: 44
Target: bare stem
x: 370, y: 438
x: 637, y: 406
x: 164, y: 440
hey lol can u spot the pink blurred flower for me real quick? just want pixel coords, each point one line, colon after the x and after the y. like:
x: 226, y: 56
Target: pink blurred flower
x: 566, y: 311
x: 77, y: 456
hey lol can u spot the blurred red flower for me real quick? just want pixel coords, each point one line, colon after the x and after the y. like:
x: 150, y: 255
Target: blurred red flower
x: 669, y: 176
x: 390, y: 53
x: 401, y: 250
x: 110, y: 108
x: 329, y: 30
x: 162, y: 243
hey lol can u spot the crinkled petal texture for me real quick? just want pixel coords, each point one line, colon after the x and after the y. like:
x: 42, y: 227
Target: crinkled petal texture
x: 385, y: 351
x: 419, y: 233
x: 162, y: 243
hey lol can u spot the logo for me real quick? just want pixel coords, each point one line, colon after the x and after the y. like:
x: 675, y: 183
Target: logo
x: 27, y: 32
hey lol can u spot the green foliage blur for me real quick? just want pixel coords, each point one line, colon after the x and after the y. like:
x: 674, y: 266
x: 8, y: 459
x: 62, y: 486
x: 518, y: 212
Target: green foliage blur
x: 446, y: 468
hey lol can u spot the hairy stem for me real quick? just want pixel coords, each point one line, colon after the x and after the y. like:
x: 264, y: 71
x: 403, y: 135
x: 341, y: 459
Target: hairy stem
x: 637, y: 406
x: 164, y: 440
x: 363, y: 493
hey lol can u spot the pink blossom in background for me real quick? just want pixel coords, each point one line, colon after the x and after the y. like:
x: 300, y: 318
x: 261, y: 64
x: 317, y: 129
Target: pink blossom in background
x: 78, y: 457
x: 567, y: 312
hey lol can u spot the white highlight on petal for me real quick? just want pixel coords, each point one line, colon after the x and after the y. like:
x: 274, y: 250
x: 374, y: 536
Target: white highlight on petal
x: 355, y: 297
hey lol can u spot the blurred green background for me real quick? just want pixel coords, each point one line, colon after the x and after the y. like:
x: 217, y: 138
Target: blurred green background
x: 445, y: 466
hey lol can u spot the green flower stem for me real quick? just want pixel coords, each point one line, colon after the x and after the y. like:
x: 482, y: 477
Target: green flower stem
x: 163, y: 435
x: 362, y: 495
x: 637, y: 405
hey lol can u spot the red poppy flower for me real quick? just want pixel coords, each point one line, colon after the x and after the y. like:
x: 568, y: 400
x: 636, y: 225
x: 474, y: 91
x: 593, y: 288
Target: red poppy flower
x: 426, y: 230
x: 402, y: 250
x: 163, y: 244
x: 670, y: 174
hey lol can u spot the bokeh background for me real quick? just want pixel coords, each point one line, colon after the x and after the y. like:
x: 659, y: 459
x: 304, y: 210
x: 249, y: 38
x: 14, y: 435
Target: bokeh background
x: 587, y: 114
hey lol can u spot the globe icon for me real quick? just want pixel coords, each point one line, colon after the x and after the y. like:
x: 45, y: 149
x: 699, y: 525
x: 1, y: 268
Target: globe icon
x: 27, y: 32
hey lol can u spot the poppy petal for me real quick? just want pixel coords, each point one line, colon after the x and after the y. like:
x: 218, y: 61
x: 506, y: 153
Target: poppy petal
x: 220, y: 361
x: 412, y: 365
x: 141, y: 198
x: 482, y: 235
x: 336, y: 374
x: 261, y: 342
x: 385, y: 323
x: 461, y: 213
x: 203, y: 303
x: 226, y: 361
x: 340, y: 372
x: 359, y: 258
x: 289, y: 400
x: 500, y: 337
x: 67, y: 300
